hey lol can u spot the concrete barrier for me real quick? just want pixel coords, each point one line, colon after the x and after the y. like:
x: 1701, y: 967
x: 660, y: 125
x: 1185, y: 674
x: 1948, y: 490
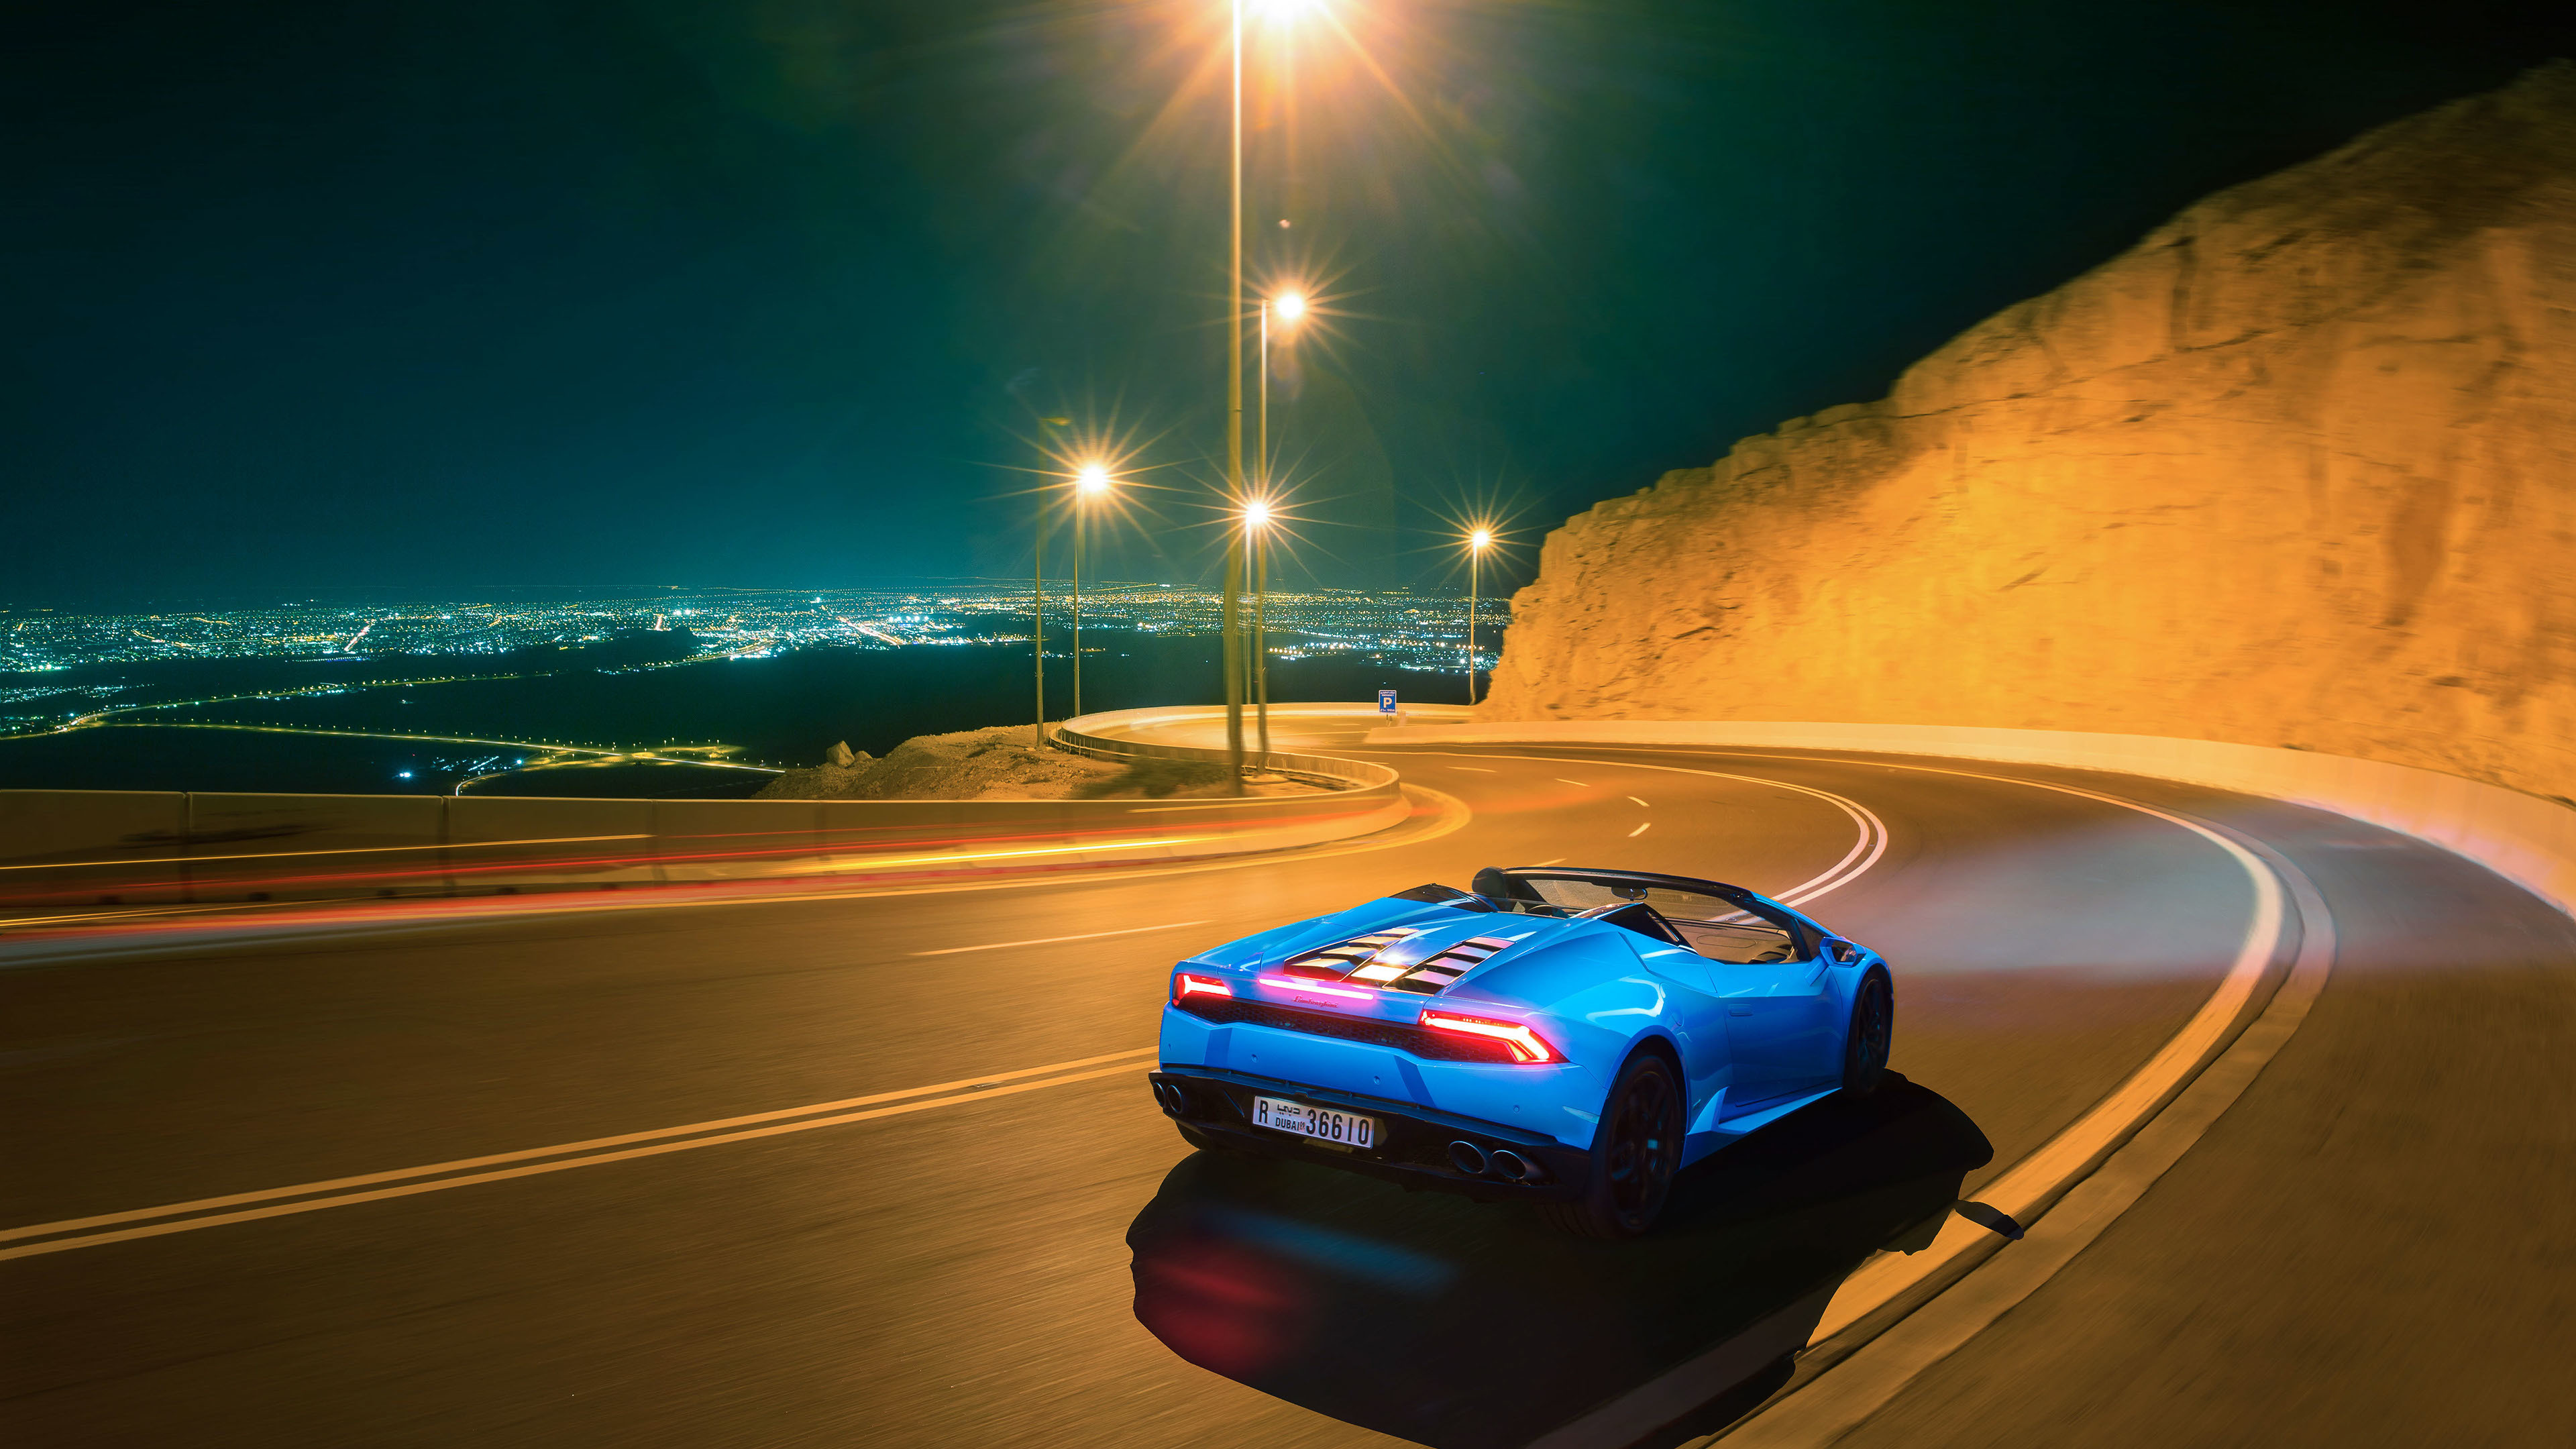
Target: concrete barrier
x: 340, y: 845
x: 88, y: 847
x: 110, y: 845
x: 2527, y: 839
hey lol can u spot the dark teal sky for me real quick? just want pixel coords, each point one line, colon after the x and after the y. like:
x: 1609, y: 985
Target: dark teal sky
x: 776, y: 291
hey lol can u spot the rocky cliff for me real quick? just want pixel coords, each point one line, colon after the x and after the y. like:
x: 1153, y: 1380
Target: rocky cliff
x: 2298, y: 469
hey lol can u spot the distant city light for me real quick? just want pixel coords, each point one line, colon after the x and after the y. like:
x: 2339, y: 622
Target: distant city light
x: 1289, y: 305
x: 1393, y: 626
x: 402, y: 774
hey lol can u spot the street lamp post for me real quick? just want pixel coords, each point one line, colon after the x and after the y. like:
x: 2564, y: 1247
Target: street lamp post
x: 1090, y: 483
x: 1290, y: 306
x: 1256, y: 522
x: 1232, y: 614
x: 1037, y: 627
x: 1477, y: 543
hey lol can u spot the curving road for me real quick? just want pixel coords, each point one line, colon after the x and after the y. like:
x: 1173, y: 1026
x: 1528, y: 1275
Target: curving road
x: 882, y: 1170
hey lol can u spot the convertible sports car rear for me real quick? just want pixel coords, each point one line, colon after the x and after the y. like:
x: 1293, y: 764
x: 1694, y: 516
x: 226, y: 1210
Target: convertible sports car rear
x: 1568, y: 1037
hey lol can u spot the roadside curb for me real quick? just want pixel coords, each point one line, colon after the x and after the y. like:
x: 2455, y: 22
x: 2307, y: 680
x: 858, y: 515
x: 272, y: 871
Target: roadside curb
x: 1873, y: 1360
x: 1891, y: 1288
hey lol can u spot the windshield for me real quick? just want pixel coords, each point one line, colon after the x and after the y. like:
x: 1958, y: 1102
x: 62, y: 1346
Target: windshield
x: 1714, y: 926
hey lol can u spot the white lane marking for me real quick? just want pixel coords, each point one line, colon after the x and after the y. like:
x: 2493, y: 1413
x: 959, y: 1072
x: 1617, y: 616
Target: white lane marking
x: 1864, y: 1381
x: 1051, y: 940
x: 2035, y: 1180
x: 1864, y: 853
x: 1471, y: 769
x: 1560, y: 860
x: 1641, y: 802
x: 1564, y: 781
x: 1640, y: 830
x: 591, y: 1145
x: 2027, y: 1190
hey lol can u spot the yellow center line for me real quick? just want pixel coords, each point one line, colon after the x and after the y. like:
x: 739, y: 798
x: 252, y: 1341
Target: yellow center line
x: 591, y: 1145
x: 154, y: 1230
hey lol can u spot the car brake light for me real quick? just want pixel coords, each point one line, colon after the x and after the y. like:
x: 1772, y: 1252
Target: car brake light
x: 1187, y: 983
x: 1284, y: 983
x: 1527, y: 1047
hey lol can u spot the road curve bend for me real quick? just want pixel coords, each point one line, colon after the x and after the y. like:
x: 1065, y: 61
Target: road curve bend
x: 882, y: 1168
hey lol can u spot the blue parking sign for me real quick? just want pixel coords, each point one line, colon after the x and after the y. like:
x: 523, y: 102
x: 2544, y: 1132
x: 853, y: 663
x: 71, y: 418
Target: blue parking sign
x: 1386, y: 701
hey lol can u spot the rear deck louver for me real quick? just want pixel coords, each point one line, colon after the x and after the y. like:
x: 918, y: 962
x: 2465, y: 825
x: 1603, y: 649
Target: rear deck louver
x: 1356, y: 960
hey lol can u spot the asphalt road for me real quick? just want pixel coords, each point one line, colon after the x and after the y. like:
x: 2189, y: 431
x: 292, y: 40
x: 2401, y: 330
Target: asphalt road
x: 2369, y: 1248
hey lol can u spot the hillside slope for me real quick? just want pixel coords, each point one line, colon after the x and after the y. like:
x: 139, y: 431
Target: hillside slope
x: 2298, y: 469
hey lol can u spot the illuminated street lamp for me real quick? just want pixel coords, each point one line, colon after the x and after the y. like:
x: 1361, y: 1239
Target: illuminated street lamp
x: 1280, y: 14
x: 1256, y: 522
x: 1289, y: 306
x: 1089, y: 484
x: 1037, y: 628
x: 1477, y: 542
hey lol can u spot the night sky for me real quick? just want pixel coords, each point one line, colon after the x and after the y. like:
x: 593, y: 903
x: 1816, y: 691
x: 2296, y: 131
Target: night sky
x: 783, y: 292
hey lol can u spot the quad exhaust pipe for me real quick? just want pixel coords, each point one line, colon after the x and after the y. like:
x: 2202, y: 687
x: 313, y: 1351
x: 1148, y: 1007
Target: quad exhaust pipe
x: 1502, y: 1162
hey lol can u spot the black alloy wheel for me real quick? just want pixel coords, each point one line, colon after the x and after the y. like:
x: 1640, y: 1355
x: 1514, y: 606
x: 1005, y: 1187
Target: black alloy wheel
x: 1634, y: 1156
x: 1872, y: 1036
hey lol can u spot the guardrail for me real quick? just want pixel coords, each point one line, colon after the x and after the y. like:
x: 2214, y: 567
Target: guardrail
x: 61, y: 848
x: 2527, y: 839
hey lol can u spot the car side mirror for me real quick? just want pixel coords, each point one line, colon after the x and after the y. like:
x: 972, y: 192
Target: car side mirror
x: 1842, y: 953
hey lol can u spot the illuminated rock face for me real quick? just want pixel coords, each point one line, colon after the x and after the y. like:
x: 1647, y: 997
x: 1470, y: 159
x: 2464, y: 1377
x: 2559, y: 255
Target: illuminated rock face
x: 2298, y: 469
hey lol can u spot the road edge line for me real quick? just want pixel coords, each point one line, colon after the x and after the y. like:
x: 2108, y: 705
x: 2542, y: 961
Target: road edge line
x: 1868, y: 1372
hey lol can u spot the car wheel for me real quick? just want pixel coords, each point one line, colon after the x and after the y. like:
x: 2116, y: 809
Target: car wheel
x: 1634, y: 1155
x: 1873, y: 1032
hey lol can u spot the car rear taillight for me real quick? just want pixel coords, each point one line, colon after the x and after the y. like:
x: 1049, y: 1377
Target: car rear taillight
x: 1527, y: 1047
x: 1190, y: 983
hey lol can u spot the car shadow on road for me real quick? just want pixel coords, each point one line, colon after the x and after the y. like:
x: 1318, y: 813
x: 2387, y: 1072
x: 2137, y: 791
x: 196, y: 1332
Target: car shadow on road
x: 1463, y: 1325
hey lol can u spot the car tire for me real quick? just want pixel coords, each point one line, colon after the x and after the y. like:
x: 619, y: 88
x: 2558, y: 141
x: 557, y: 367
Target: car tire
x: 1871, y: 1036
x: 1634, y: 1155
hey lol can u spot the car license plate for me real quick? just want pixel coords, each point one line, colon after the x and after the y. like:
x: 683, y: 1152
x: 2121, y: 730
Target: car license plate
x: 1338, y: 1129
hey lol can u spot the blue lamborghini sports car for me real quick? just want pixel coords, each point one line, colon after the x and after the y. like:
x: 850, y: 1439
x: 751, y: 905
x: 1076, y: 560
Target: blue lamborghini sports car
x: 1568, y: 1037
